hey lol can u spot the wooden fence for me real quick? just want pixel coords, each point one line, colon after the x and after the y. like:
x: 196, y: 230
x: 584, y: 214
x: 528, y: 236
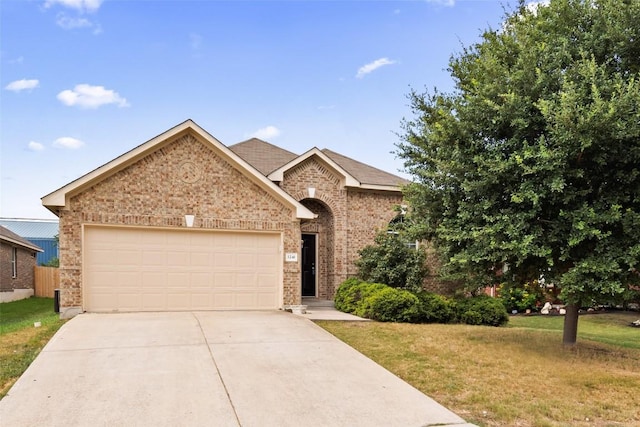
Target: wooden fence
x: 46, y: 280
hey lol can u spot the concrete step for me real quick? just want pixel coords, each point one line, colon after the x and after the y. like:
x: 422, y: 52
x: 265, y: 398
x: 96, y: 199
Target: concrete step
x: 315, y: 302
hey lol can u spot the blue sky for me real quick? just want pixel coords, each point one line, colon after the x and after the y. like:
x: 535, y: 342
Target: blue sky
x: 83, y: 81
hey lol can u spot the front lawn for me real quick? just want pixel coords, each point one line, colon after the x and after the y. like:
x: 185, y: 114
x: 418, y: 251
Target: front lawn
x: 21, y: 340
x: 519, y: 375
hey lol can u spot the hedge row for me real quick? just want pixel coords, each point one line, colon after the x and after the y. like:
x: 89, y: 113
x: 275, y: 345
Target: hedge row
x: 386, y: 304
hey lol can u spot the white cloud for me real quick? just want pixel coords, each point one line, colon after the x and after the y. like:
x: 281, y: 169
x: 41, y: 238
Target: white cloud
x: 80, y: 5
x: 18, y: 60
x: 24, y: 84
x: 266, y: 133
x: 68, y: 23
x: 449, y: 3
x: 35, y: 146
x: 372, y: 66
x: 534, y: 5
x: 88, y: 96
x: 68, y: 143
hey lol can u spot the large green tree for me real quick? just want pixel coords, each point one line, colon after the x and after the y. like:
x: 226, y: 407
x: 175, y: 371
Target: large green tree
x: 531, y: 165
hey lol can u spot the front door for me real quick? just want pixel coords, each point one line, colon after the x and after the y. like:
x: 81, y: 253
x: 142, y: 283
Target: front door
x: 308, y: 265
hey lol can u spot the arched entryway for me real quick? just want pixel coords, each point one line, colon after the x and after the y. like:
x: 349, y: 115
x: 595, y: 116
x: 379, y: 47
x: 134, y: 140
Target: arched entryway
x: 318, y: 242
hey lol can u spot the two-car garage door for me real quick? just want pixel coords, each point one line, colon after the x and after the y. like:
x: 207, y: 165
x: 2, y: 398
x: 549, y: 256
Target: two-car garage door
x: 132, y: 269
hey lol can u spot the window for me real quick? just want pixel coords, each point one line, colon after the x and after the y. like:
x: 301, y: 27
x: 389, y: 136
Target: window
x: 398, y: 224
x: 14, y: 263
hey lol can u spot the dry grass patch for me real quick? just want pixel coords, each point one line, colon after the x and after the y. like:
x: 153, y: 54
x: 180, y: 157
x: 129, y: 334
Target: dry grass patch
x: 506, y: 376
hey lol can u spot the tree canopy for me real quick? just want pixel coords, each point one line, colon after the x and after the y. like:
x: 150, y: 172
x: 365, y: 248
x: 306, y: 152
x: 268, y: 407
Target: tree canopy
x: 533, y: 160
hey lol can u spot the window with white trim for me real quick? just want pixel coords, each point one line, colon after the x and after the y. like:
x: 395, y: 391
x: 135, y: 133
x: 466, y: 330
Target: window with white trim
x: 396, y: 224
x: 14, y: 262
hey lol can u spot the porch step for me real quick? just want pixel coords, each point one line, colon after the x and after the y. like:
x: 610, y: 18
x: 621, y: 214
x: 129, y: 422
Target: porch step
x: 315, y: 302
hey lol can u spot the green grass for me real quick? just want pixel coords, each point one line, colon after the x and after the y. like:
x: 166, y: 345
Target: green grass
x: 21, y: 340
x: 520, y: 375
x: 608, y: 328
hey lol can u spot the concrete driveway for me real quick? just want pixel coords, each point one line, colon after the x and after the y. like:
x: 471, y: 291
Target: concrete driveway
x: 210, y: 369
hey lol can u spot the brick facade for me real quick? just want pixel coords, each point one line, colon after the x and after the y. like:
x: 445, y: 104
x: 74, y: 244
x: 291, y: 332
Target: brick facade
x: 185, y: 174
x: 26, y: 262
x: 182, y: 177
x: 348, y: 218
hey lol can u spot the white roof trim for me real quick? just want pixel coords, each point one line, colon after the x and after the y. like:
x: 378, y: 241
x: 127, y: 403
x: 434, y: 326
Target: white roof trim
x: 278, y: 174
x: 21, y: 244
x: 60, y: 197
x: 381, y: 187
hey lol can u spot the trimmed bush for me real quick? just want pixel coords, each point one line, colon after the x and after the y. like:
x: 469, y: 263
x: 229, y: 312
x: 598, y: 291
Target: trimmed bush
x: 386, y: 304
x: 482, y: 310
x: 355, y: 291
x: 434, y: 308
x: 390, y: 305
x: 347, y: 295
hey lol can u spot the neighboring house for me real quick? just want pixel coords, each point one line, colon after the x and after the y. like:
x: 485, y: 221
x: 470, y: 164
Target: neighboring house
x: 40, y: 232
x: 17, y: 262
x: 183, y: 222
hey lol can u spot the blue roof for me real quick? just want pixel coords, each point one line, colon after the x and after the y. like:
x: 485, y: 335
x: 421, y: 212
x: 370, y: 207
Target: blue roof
x: 32, y: 228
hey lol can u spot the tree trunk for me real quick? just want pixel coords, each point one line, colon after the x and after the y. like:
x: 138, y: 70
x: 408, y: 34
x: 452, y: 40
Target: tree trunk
x: 570, y: 331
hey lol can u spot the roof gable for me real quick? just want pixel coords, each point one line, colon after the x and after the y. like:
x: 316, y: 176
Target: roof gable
x: 278, y: 174
x: 272, y: 161
x: 354, y: 173
x: 60, y: 198
x: 9, y: 236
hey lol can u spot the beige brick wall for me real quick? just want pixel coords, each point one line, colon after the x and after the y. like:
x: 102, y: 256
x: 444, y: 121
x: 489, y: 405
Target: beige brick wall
x: 369, y: 212
x: 331, y: 194
x: 357, y: 216
x: 185, y: 176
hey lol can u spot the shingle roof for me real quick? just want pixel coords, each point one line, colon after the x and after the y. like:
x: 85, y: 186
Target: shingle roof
x: 32, y: 228
x: 11, y: 237
x: 362, y: 172
x: 261, y: 155
x: 266, y: 158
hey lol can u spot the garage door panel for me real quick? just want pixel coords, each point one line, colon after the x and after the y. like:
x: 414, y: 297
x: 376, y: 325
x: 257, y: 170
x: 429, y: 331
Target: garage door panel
x: 155, y: 270
x: 223, y: 260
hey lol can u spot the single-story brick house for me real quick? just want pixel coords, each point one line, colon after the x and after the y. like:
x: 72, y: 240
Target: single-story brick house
x: 17, y: 263
x: 183, y: 222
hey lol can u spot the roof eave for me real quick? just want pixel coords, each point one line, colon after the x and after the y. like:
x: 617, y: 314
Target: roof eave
x: 393, y: 188
x: 21, y: 244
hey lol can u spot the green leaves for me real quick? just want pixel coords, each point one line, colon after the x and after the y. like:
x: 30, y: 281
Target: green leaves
x: 534, y: 160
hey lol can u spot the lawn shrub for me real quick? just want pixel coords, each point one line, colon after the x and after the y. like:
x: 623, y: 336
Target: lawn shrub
x: 347, y: 296
x: 434, y: 308
x: 522, y: 297
x: 380, y: 302
x: 481, y: 310
x: 390, y: 305
x: 354, y: 292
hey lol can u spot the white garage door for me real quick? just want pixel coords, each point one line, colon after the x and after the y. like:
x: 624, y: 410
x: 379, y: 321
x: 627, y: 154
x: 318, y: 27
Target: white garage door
x: 129, y: 269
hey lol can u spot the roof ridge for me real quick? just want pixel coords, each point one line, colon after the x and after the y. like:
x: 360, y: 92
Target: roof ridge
x: 264, y: 142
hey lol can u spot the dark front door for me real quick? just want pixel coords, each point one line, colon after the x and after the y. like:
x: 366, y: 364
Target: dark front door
x: 308, y: 265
